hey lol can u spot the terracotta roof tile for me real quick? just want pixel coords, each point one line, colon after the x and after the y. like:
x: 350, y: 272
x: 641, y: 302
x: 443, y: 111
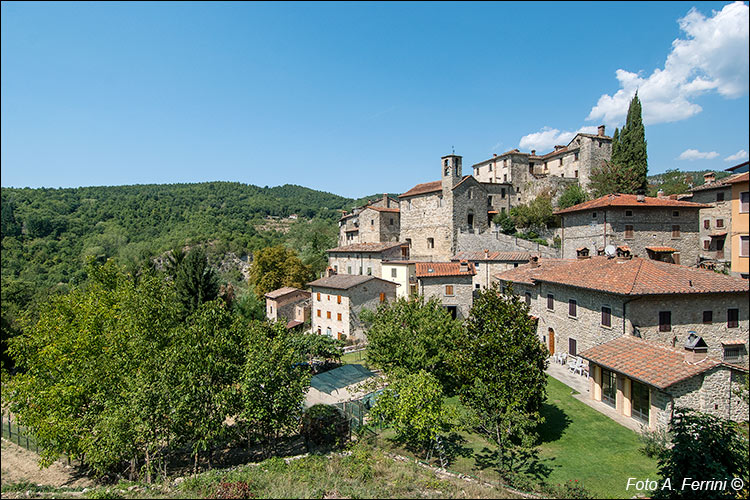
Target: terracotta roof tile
x: 280, y: 292
x: 721, y: 183
x: 432, y: 269
x: 382, y: 209
x: 494, y: 256
x: 527, y: 272
x: 427, y: 187
x: 647, y: 362
x: 630, y: 200
x: 344, y: 281
x: 740, y: 178
x: 366, y: 247
x: 661, y: 249
x: 634, y: 276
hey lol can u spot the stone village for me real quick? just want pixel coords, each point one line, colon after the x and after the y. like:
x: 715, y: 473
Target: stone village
x: 626, y: 304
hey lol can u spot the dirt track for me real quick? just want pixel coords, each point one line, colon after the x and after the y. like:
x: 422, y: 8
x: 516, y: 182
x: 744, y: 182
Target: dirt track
x: 19, y: 464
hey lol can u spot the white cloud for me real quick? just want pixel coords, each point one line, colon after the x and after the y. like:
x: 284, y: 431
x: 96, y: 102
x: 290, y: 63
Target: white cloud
x: 694, y: 154
x: 548, y: 137
x: 712, y: 58
x: 738, y: 156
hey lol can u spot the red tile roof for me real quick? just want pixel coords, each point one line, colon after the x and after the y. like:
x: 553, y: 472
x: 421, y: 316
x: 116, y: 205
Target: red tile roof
x: 647, y: 362
x: 740, y: 178
x: 280, y: 292
x: 427, y: 187
x: 661, y: 249
x: 721, y: 183
x: 366, y: 247
x: 630, y: 200
x: 383, y: 209
x: 527, y: 272
x: 432, y: 269
x: 501, y: 256
x: 634, y: 276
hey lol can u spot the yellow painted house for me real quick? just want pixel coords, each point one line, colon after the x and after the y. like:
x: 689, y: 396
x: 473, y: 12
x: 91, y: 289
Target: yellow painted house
x: 740, y: 225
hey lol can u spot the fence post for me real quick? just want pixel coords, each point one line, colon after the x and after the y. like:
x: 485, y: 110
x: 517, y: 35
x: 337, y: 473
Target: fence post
x: 10, y: 430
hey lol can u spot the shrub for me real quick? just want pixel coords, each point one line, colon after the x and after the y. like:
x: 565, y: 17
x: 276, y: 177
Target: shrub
x: 236, y: 489
x: 324, y: 427
x: 654, y: 442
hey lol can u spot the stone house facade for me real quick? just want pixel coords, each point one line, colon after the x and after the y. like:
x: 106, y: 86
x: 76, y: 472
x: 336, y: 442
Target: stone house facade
x: 655, y: 228
x: 365, y: 258
x: 450, y: 282
x: 584, y: 304
x: 487, y: 264
x: 339, y: 299
x: 715, y: 221
x: 288, y: 304
x: 376, y: 222
x: 575, y: 161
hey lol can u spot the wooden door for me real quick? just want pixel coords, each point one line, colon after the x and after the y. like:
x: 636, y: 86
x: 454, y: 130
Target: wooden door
x: 551, y: 335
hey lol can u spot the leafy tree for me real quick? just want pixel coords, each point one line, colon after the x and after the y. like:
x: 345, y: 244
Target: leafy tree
x: 411, y: 335
x: 507, y: 226
x: 249, y: 307
x: 414, y: 406
x: 501, y: 366
x: 311, y: 346
x: 312, y: 239
x: 627, y: 170
x: 9, y: 226
x: 324, y: 427
x: 195, y: 282
x: 573, y: 195
x: 704, y: 447
x: 276, y: 267
x: 537, y: 215
x: 273, y: 382
x: 673, y: 181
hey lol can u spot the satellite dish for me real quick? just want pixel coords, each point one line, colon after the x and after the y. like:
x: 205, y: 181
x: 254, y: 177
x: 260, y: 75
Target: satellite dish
x: 610, y: 250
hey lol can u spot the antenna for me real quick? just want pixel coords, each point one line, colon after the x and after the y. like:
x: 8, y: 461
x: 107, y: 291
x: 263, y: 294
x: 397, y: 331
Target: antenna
x: 453, y: 150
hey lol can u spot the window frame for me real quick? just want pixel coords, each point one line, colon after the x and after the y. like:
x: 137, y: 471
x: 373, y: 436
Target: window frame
x: 733, y: 320
x: 665, y: 321
x: 448, y: 288
x: 708, y: 317
x: 550, y: 302
x: 608, y: 315
x: 573, y: 306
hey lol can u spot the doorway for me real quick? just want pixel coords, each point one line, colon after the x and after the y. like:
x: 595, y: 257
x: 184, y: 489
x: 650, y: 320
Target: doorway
x: 551, y: 335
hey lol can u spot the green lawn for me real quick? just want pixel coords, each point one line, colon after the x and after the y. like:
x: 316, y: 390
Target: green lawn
x: 577, y: 442
x: 359, y: 357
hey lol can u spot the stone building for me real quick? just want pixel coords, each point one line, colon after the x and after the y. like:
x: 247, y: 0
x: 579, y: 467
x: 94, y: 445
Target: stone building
x: 288, y: 304
x: 527, y: 171
x: 487, y: 264
x: 434, y: 213
x: 365, y: 258
x: 715, y: 220
x: 378, y: 221
x: 587, y: 303
x: 656, y: 228
x: 339, y: 299
x: 450, y: 282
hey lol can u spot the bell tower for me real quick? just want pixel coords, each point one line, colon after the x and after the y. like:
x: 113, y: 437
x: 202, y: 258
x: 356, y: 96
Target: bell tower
x: 451, y: 171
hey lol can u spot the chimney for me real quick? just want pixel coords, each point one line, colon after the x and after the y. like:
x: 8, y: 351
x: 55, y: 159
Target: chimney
x: 330, y: 272
x: 533, y: 152
x: 558, y: 147
x: 486, y: 254
x: 601, y: 130
x: 695, y: 348
x: 660, y: 194
x: 386, y: 201
x: 534, y: 261
x: 582, y: 253
x: 640, y: 196
x: 464, y: 266
x: 709, y: 177
x: 494, y: 155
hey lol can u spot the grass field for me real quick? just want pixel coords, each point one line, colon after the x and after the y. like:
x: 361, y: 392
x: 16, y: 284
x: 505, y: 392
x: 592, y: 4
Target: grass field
x: 576, y: 442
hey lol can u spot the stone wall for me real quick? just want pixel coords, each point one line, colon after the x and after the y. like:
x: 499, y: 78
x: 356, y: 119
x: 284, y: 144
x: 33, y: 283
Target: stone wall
x: 362, y: 263
x: 284, y: 306
x: 462, y: 296
x: 687, y: 315
x: 428, y: 216
x: 719, y: 210
x: 496, y: 241
x: 651, y: 227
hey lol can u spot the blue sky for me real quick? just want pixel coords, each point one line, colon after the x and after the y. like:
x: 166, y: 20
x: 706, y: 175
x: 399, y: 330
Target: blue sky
x: 356, y: 98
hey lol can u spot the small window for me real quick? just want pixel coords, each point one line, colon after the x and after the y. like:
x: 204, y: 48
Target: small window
x: 527, y: 297
x: 338, y: 299
x: 675, y: 231
x: 430, y: 243
x: 628, y: 213
x: 490, y: 167
x: 318, y: 295
x: 476, y: 266
x: 675, y: 213
x: 349, y: 270
x: 719, y: 222
x: 606, y: 316
x: 744, y: 246
x: 328, y: 297
x: 707, y: 224
x: 572, y: 347
x: 572, y: 308
x: 369, y: 271
x: 575, y: 157
x: 449, y: 290
x: 745, y: 202
x: 391, y: 222
x: 733, y: 353
x: 706, y: 244
x: 328, y: 331
x: 394, y: 272
x: 719, y: 196
x: 360, y: 270
x: 733, y: 318
x: 328, y: 314
x: 502, y: 193
x: 629, y: 231
x: 593, y: 215
x: 319, y: 313
x: 708, y: 317
x: 550, y: 302
x: 338, y: 316
x: 575, y: 174
x: 665, y: 321
x: 515, y: 264
x: 489, y: 201
x: 505, y: 177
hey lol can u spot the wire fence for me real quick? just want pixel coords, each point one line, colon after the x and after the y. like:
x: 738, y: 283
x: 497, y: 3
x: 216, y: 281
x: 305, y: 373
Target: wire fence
x: 18, y: 434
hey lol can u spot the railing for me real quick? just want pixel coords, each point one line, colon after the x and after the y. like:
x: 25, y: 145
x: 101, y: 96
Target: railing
x: 18, y: 434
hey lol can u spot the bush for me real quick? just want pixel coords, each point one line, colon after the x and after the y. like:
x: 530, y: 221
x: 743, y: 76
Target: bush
x: 654, y: 442
x: 570, y: 489
x: 324, y: 427
x: 237, y: 489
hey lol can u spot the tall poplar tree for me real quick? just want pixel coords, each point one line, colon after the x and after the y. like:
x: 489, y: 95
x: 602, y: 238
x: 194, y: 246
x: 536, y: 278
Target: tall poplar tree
x: 627, y: 169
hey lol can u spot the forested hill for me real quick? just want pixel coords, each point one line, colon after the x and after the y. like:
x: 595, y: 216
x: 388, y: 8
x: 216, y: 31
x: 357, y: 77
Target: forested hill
x: 47, y: 233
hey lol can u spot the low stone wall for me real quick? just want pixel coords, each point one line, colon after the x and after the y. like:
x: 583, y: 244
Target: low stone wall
x: 500, y: 242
